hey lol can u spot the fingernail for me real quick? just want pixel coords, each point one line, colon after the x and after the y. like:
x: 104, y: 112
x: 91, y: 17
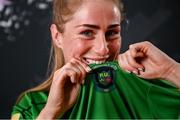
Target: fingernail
x: 141, y: 69
x: 128, y: 71
x: 135, y: 72
x: 73, y: 80
x: 88, y: 69
x: 83, y: 81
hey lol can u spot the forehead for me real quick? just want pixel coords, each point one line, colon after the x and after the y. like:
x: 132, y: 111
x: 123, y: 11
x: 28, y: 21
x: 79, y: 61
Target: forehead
x: 97, y: 11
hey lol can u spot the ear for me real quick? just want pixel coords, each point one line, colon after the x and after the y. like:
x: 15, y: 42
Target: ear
x: 56, y: 36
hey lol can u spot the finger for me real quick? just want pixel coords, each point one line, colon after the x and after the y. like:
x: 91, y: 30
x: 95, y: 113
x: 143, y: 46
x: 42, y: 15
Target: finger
x: 73, y: 77
x: 140, y: 49
x: 135, y: 52
x: 132, y: 61
x: 84, y: 64
x: 75, y: 67
x: 72, y: 74
x: 125, y: 64
x: 62, y: 75
x: 81, y: 68
x: 132, y: 69
x: 82, y: 72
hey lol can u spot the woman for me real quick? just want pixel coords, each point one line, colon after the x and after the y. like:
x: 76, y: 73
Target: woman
x: 83, y: 32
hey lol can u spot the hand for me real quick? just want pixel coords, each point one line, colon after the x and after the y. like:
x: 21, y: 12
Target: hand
x: 147, y: 61
x: 65, y: 88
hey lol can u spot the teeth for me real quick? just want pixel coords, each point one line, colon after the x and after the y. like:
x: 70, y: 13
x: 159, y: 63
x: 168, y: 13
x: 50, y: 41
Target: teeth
x: 94, y: 61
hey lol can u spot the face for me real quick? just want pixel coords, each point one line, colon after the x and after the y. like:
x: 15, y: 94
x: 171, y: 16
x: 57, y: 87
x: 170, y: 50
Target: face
x: 93, y: 33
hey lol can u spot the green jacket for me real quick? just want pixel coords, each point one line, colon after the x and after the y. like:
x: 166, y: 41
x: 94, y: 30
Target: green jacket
x: 110, y: 93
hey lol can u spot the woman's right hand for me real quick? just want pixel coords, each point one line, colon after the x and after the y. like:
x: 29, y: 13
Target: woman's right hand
x: 65, y: 88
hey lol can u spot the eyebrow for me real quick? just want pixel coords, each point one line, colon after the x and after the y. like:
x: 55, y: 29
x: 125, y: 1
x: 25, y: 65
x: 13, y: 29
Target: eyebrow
x: 96, y: 26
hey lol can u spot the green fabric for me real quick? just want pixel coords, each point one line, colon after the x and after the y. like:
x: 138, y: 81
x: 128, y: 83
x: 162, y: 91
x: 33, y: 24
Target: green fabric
x: 127, y: 97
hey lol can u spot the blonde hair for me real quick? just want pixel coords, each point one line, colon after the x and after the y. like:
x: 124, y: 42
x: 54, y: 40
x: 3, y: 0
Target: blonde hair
x: 62, y: 11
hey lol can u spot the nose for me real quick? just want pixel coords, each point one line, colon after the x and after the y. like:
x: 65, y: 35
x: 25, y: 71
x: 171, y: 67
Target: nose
x: 101, y: 46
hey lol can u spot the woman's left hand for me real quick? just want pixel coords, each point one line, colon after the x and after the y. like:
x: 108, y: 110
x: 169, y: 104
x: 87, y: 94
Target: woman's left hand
x: 147, y: 61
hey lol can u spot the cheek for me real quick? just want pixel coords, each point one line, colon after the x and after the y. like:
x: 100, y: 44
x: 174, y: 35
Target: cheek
x: 79, y: 48
x: 115, y: 46
x: 114, y: 49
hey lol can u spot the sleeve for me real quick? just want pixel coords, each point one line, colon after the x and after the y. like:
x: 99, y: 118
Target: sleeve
x: 21, y: 110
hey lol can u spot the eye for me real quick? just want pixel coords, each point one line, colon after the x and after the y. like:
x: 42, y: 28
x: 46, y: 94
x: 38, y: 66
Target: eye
x: 112, y: 34
x: 87, y: 33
